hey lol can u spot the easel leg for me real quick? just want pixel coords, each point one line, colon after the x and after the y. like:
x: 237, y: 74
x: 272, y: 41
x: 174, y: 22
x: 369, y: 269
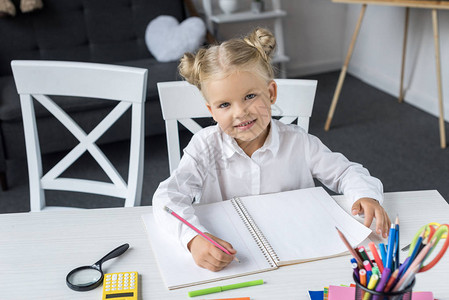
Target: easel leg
x: 438, y: 69
x: 341, y: 79
x: 404, y: 50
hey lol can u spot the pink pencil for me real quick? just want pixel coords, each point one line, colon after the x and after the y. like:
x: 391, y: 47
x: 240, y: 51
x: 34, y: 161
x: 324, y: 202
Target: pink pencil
x: 199, y: 232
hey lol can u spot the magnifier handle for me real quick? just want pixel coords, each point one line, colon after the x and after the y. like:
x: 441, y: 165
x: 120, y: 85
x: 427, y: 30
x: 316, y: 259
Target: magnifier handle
x: 114, y: 253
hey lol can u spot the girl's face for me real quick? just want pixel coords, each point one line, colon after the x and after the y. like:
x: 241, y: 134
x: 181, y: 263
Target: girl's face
x: 241, y: 105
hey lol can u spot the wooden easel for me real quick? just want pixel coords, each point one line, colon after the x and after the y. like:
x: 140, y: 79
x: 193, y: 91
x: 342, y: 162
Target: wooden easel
x: 434, y: 5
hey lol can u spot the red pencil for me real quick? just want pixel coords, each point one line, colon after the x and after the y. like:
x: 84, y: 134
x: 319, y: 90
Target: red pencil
x: 377, y: 259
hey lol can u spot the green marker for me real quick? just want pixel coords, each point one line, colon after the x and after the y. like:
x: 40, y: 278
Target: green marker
x: 225, y: 288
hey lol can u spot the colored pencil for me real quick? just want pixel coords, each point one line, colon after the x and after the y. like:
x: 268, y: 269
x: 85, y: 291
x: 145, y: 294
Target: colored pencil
x: 391, y: 245
x: 392, y: 280
x: 416, y: 262
x: 199, y: 232
x: 396, y: 250
x: 351, y: 250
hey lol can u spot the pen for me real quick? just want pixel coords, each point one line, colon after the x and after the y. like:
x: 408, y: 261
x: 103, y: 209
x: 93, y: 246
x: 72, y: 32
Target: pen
x: 371, y: 285
x: 382, y: 283
x: 199, y: 231
x: 355, y: 268
x: 377, y: 258
x: 383, y: 253
x: 362, y: 274
x: 218, y: 289
x: 364, y: 255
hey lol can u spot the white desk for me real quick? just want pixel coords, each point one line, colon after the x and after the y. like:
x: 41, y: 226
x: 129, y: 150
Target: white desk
x: 37, y: 251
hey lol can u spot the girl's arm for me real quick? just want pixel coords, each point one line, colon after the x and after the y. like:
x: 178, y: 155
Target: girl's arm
x: 339, y: 174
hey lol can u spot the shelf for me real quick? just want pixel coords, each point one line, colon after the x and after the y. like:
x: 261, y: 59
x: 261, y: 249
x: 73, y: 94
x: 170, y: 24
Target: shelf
x: 247, y: 16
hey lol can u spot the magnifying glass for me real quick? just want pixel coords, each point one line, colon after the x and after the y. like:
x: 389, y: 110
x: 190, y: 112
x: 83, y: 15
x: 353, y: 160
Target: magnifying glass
x: 89, y: 277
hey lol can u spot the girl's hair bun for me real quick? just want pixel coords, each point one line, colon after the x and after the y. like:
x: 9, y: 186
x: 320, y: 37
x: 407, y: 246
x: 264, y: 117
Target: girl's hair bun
x: 263, y: 40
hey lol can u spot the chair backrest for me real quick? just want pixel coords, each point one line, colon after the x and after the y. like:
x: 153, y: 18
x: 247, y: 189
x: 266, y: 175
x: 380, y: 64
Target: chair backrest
x: 182, y: 102
x: 40, y: 79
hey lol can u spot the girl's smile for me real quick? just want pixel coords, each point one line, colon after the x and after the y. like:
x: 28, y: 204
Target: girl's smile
x: 246, y: 125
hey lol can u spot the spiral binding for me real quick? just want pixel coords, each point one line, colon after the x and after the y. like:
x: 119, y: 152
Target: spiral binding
x: 258, y: 236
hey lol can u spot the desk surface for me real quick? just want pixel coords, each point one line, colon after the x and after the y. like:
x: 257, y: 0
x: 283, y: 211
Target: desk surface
x: 404, y: 3
x: 39, y: 249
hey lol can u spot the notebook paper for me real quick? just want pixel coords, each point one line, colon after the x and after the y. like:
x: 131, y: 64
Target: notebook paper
x: 288, y: 227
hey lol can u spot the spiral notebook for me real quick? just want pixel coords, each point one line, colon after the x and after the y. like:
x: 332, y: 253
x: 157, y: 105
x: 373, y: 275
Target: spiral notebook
x: 268, y: 231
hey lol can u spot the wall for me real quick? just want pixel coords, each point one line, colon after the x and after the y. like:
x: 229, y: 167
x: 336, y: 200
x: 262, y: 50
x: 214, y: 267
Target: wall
x: 377, y: 54
x: 314, y: 33
x: 317, y: 35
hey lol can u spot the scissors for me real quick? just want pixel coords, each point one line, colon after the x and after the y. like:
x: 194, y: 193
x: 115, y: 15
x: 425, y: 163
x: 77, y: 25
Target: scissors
x: 433, y: 231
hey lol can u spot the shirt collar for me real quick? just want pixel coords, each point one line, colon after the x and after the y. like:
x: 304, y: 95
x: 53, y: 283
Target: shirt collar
x: 230, y: 146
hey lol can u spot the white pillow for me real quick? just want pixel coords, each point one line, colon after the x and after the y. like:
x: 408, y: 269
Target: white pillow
x: 168, y: 40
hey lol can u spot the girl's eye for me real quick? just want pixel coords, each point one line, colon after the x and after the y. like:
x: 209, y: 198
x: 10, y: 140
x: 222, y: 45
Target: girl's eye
x: 223, y: 105
x: 250, y: 96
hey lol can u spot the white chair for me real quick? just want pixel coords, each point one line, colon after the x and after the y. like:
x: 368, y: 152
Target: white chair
x: 182, y: 102
x: 126, y: 85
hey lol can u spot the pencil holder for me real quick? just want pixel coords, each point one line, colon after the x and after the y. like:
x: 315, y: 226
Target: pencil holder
x: 363, y: 293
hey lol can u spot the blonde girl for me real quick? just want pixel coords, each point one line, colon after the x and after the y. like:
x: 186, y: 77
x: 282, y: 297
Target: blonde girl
x: 247, y: 152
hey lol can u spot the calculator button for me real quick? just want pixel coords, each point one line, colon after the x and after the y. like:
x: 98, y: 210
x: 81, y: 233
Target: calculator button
x: 107, y: 290
x: 114, y: 277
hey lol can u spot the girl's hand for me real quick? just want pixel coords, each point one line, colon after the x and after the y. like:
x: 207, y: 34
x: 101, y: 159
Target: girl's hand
x: 372, y: 209
x: 207, y: 256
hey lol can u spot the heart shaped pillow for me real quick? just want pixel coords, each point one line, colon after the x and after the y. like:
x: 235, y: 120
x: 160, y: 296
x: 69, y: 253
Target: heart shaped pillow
x: 168, y: 40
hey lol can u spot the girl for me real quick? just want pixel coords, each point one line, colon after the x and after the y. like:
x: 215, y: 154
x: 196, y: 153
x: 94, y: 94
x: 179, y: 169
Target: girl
x: 248, y: 153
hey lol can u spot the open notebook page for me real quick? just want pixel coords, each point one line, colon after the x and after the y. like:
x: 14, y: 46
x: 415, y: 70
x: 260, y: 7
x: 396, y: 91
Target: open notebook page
x: 177, y: 266
x: 300, y: 224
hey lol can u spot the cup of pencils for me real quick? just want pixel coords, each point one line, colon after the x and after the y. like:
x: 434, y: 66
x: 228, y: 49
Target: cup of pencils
x: 384, y: 277
x: 365, y: 292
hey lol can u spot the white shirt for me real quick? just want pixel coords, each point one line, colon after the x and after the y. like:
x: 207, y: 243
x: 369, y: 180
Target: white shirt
x: 214, y: 168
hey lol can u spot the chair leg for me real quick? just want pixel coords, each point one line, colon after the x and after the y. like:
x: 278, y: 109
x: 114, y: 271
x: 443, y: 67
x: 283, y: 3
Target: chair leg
x: 3, y: 182
x: 438, y: 70
x: 341, y: 79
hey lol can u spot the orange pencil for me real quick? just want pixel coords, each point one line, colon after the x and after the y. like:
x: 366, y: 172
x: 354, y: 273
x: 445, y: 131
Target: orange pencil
x: 377, y: 258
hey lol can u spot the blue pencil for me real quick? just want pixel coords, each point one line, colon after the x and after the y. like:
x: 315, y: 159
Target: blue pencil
x: 396, y: 228
x: 391, y: 246
x: 414, y: 253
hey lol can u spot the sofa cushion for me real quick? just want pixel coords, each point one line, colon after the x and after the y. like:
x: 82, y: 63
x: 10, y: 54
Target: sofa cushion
x: 168, y: 40
x: 9, y: 99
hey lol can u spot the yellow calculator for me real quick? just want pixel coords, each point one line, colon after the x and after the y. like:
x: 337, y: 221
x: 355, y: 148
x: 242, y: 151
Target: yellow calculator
x: 120, y: 286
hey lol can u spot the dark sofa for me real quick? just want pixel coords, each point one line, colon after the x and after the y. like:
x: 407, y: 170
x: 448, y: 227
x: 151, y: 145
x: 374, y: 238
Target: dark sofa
x: 102, y: 31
